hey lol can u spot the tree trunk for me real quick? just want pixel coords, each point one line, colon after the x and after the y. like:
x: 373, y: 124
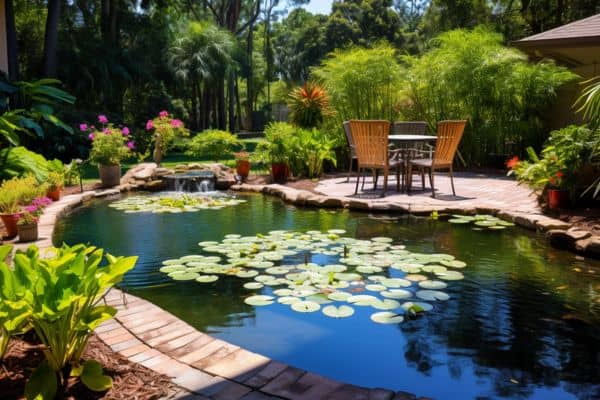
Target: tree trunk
x: 221, y: 120
x: 231, y: 98
x: 238, y: 104
x: 51, y: 39
x: 11, y: 41
x: 195, y: 96
x: 249, y: 83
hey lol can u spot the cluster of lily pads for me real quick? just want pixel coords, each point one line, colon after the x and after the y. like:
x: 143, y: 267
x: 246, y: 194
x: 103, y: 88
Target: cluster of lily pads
x: 481, y: 222
x: 174, y: 203
x: 362, y: 266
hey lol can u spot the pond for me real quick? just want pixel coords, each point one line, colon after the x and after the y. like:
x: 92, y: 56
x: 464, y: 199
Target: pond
x: 523, y: 323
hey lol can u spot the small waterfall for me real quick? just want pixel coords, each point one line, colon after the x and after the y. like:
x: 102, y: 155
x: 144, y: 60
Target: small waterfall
x: 205, y: 185
x: 179, y: 185
x: 192, y: 181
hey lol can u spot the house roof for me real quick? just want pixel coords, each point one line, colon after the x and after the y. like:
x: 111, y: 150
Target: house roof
x: 581, y: 32
x: 574, y: 44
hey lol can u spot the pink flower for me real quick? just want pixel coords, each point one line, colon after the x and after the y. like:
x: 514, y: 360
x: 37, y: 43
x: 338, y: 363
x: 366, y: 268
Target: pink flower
x: 149, y: 124
x: 91, y: 136
x: 106, y: 131
x: 175, y: 123
x: 125, y: 131
x: 163, y: 114
x: 131, y: 145
x: 102, y: 119
x: 83, y: 127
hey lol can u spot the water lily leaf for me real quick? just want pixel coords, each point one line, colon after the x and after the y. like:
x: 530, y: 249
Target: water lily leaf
x: 259, y: 300
x: 382, y: 239
x: 497, y: 227
x: 207, y: 278
x: 454, y: 264
x: 339, y: 296
x: 277, y: 270
x: 460, y: 221
x: 396, y: 294
x: 450, y: 275
x: 283, y: 292
x: 395, y: 282
x: 319, y: 298
x: 246, y: 274
x: 375, y: 288
x: 433, y: 284
x: 362, y: 300
x: 368, y: 269
x: 260, y: 264
x: 410, y: 304
x: 208, y: 244
x: 253, y: 285
x: 485, y: 223
x: 415, y: 277
x: 172, y: 268
x: 172, y: 262
x: 288, y: 300
x: 434, y: 268
x: 183, y: 275
x: 386, y: 304
x: 305, y: 306
x: 387, y: 317
x: 343, y: 276
x: 338, y: 312
x: 432, y: 295
x: 303, y: 292
x: 336, y: 231
x: 334, y: 268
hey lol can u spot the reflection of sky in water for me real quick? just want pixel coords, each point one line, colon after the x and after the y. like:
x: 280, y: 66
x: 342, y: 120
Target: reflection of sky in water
x: 522, y: 324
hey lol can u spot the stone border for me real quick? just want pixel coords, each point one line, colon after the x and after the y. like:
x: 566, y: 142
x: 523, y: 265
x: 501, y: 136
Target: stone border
x: 560, y: 234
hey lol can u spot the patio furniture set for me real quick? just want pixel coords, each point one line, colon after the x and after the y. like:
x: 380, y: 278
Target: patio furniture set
x: 403, y: 148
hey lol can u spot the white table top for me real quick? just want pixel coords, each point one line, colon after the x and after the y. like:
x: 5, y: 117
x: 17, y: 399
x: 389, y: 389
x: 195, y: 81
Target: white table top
x: 411, y: 138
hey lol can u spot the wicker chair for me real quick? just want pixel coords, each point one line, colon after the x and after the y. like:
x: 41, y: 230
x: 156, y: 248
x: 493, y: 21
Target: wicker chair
x: 370, y: 140
x: 351, y: 150
x: 449, y: 134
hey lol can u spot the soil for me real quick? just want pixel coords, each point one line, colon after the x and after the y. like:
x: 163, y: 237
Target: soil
x: 130, y: 380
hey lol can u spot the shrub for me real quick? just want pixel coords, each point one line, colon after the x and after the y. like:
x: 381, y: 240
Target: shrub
x: 61, y: 297
x: 19, y: 191
x: 314, y: 147
x: 308, y: 105
x: 214, y: 144
x: 471, y: 75
x: 166, y: 130
x: 110, y: 144
x: 279, y: 145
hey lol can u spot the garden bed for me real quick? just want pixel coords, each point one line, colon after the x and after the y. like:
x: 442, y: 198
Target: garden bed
x: 130, y: 380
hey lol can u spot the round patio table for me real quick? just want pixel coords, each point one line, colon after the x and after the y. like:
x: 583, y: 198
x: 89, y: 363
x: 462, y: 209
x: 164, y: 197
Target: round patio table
x: 404, y: 143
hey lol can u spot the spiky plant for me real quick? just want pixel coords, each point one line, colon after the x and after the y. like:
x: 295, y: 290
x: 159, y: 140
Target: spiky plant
x: 309, y: 105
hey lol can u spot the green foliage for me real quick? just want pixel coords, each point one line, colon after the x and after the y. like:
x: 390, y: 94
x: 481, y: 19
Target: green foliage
x: 308, y: 105
x: 109, y: 147
x: 279, y: 144
x: 19, y: 191
x: 62, y: 297
x: 362, y: 83
x: 18, y: 161
x: 589, y: 102
x: 471, y: 75
x: 215, y: 144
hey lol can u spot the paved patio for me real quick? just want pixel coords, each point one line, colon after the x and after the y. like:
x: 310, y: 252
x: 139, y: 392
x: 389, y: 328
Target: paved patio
x: 472, y: 191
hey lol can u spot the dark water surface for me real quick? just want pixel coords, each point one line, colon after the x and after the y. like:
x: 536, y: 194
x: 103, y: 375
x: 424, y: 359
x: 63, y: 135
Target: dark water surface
x: 524, y: 323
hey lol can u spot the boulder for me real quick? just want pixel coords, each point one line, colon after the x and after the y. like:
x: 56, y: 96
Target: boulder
x: 142, y: 172
x: 155, y: 185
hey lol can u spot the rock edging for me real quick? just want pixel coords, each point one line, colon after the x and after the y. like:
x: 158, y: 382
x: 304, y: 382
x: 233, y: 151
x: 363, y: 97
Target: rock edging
x: 560, y: 234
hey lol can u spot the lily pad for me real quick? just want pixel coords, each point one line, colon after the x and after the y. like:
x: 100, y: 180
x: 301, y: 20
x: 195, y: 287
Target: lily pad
x: 253, y: 285
x: 184, y: 275
x: 259, y: 300
x: 424, y: 306
x: 362, y: 300
x: 246, y: 274
x: 432, y: 295
x: 338, y: 312
x: 283, y: 292
x: 305, y: 306
x: 368, y: 269
x: 433, y: 285
x: 207, y: 278
x: 288, y: 300
x: 450, y: 275
x: 387, y: 317
x: 375, y: 288
x: 339, y: 296
x: 395, y: 282
x: 396, y: 294
x: 386, y: 304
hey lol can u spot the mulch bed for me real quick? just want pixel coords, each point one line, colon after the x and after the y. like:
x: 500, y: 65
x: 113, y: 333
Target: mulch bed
x: 130, y: 380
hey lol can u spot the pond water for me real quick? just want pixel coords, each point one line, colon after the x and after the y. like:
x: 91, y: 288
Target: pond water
x: 524, y: 323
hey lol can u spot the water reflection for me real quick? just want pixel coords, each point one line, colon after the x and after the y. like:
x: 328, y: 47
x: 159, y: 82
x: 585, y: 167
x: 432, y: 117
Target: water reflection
x: 523, y: 324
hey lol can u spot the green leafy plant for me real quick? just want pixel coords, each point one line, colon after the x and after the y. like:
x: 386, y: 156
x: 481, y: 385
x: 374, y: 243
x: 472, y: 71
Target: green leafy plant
x: 589, y: 102
x: 55, y: 180
x: 279, y: 145
x: 308, y: 105
x: 214, y: 144
x: 72, y: 172
x: 63, y: 296
x: 313, y: 149
x: 18, y: 161
x: 19, y: 191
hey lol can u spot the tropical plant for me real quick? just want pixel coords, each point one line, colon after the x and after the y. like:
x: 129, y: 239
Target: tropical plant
x: 589, y: 102
x: 214, y: 144
x: 61, y: 298
x: 470, y: 74
x: 314, y: 147
x: 19, y: 191
x: 308, y: 105
x: 110, y: 145
x: 55, y: 180
x: 18, y: 161
x: 279, y: 145
x: 72, y: 172
x: 166, y: 129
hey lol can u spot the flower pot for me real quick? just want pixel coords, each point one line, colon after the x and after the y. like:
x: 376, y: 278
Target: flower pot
x: 557, y: 199
x: 28, y: 233
x: 242, y: 168
x: 10, y: 223
x: 110, y: 175
x: 54, y: 194
x: 280, y: 172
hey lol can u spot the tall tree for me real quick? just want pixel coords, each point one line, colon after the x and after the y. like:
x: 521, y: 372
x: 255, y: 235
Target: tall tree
x: 11, y: 41
x: 51, y: 39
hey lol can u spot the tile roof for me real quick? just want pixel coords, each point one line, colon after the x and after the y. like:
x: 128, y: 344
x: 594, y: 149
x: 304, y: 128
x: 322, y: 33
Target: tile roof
x: 587, y: 28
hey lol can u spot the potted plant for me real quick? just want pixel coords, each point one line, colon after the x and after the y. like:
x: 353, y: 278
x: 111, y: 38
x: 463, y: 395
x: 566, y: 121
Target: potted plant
x: 165, y: 130
x: 242, y: 164
x: 278, y: 149
x: 27, y: 227
x: 13, y: 193
x: 55, y: 182
x: 110, y: 145
x: 556, y: 196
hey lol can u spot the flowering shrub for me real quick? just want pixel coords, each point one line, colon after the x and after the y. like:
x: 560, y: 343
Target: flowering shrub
x: 32, y: 212
x: 166, y: 129
x: 110, y: 144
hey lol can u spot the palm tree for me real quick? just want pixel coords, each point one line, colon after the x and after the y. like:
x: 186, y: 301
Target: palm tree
x: 201, y: 57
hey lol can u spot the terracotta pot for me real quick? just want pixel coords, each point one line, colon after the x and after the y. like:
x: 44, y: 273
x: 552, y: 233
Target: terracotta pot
x: 110, y: 175
x: 557, y: 199
x: 54, y: 194
x: 280, y: 172
x: 10, y: 223
x: 28, y: 233
x: 242, y: 168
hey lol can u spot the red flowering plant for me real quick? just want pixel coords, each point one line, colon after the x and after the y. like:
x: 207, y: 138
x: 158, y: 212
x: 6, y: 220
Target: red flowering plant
x: 110, y: 144
x: 165, y: 129
x: 545, y: 172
